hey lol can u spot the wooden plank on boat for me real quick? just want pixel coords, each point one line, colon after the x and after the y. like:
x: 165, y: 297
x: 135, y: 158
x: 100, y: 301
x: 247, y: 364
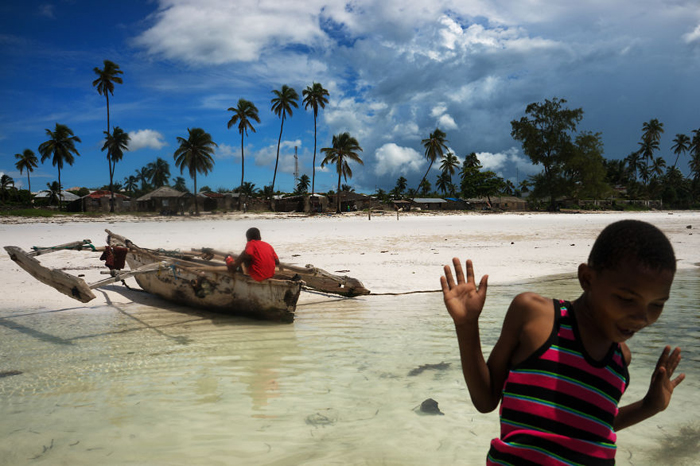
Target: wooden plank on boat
x: 67, y: 284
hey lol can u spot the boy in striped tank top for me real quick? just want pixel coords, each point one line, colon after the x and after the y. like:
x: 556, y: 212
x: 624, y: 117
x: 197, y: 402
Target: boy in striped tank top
x: 559, y: 368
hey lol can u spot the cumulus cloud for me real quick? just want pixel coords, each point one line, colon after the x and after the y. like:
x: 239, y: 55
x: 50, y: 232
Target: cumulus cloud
x: 146, y: 138
x: 693, y: 36
x: 394, y: 160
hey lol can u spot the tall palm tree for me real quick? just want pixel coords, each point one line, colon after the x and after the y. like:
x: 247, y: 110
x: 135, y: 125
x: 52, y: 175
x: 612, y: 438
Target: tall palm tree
x: 115, y: 144
x: 681, y: 144
x: 243, y: 114
x: 345, y: 148
x: 657, y: 167
x: 60, y: 148
x: 435, y: 146
x: 282, y: 104
x: 158, y: 172
x: 26, y: 161
x: 54, y: 191
x: 634, y: 163
x: 315, y: 96
x: 196, y: 155
x: 106, y: 78
x: 449, y: 164
x: 303, y: 184
x: 651, y: 138
x: 401, y: 184
x: 443, y: 182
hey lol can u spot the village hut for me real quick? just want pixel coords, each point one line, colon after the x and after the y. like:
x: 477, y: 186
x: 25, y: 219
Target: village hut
x: 99, y: 201
x: 166, y: 201
x: 428, y: 203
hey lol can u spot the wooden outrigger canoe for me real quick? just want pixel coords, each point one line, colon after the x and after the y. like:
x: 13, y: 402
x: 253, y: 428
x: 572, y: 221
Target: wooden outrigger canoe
x: 198, y: 278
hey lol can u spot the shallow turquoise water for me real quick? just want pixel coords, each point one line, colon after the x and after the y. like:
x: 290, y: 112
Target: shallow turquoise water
x: 149, y: 383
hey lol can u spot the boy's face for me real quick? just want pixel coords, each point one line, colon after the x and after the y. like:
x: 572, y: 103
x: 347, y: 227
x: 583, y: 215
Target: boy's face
x: 627, y: 299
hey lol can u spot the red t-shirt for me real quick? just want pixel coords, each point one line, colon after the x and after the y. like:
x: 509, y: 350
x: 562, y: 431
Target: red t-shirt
x: 262, y: 260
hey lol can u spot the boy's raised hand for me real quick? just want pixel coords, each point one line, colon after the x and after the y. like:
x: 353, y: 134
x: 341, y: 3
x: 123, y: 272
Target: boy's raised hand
x: 661, y: 388
x: 464, y: 301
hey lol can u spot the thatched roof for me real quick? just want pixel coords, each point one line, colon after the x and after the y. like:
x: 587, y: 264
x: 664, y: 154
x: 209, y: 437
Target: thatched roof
x: 163, y: 192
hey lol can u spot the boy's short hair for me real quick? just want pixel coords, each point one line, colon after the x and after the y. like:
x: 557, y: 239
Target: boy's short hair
x: 632, y: 240
x: 252, y: 234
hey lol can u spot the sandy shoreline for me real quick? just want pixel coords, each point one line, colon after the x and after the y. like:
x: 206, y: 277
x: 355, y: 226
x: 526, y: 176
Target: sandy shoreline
x: 388, y: 255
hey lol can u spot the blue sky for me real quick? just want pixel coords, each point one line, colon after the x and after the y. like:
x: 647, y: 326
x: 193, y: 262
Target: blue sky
x: 395, y: 71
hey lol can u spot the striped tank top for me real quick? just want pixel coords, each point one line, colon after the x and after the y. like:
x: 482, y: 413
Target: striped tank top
x: 559, y: 404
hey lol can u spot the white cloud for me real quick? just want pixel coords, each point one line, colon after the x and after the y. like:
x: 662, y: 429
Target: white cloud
x: 225, y: 151
x: 394, y: 160
x: 47, y: 10
x: 693, y: 36
x: 146, y: 138
x: 499, y: 161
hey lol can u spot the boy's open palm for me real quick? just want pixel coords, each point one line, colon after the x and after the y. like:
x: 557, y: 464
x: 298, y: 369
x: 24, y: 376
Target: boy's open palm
x: 464, y: 301
x: 662, y: 386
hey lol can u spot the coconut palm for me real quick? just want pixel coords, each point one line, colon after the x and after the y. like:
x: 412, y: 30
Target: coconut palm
x: 651, y: 138
x: 244, y: 112
x: 401, y: 184
x: 115, y: 144
x: 681, y: 144
x: 282, y: 104
x: 142, y: 176
x: 449, y: 165
x: 158, y: 172
x: 60, y: 148
x: 26, y: 161
x: 196, y: 155
x: 435, y: 146
x: 303, y: 184
x: 634, y: 163
x: 657, y: 167
x: 315, y: 96
x: 345, y: 148
x: 180, y: 184
x: 444, y: 182
x: 6, y: 182
x: 248, y: 189
x: 131, y: 183
x: 54, y: 191
x: 106, y: 78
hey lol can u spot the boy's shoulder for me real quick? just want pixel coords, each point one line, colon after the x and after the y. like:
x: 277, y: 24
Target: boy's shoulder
x: 531, y: 308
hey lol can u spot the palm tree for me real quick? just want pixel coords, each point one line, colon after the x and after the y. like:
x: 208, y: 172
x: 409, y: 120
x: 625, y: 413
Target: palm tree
x: 449, y: 164
x: 180, y: 184
x: 6, y: 182
x: 26, y: 161
x: 131, y: 183
x: 60, y: 148
x: 401, y: 184
x: 115, y: 143
x: 54, y: 189
x: 158, y: 172
x: 243, y: 114
x: 681, y: 144
x: 248, y: 189
x: 435, y: 145
x: 651, y: 138
x: 657, y: 167
x: 443, y: 182
x: 282, y: 105
x: 315, y: 96
x: 634, y: 163
x: 142, y: 176
x: 345, y: 148
x: 303, y: 184
x: 106, y: 78
x: 195, y: 154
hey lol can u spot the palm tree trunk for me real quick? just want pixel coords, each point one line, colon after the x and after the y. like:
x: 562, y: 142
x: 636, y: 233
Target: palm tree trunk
x: 29, y: 183
x: 313, y: 164
x: 111, y: 185
x: 60, y: 191
x: 426, y: 175
x: 240, y: 189
x: 279, y: 141
x: 337, y: 211
x: 196, y: 205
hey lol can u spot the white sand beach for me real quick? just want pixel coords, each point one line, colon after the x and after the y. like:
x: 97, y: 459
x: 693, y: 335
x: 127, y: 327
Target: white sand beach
x: 386, y: 254
x: 127, y: 379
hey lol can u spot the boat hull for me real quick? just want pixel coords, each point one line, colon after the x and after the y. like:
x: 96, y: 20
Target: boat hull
x: 221, y: 292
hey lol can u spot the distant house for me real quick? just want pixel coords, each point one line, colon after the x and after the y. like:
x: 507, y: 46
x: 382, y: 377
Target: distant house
x: 428, y: 203
x: 99, y: 201
x: 454, y: 203
x: 166, y: 201
x: 509, y: 203
x: 66, y: 197
x: 349, y: 201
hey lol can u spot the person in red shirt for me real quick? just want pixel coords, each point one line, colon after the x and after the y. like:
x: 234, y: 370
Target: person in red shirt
x: 258, y: 257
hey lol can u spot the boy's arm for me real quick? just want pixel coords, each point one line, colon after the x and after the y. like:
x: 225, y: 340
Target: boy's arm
x: 660, y: 391
x: 464, y: 302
